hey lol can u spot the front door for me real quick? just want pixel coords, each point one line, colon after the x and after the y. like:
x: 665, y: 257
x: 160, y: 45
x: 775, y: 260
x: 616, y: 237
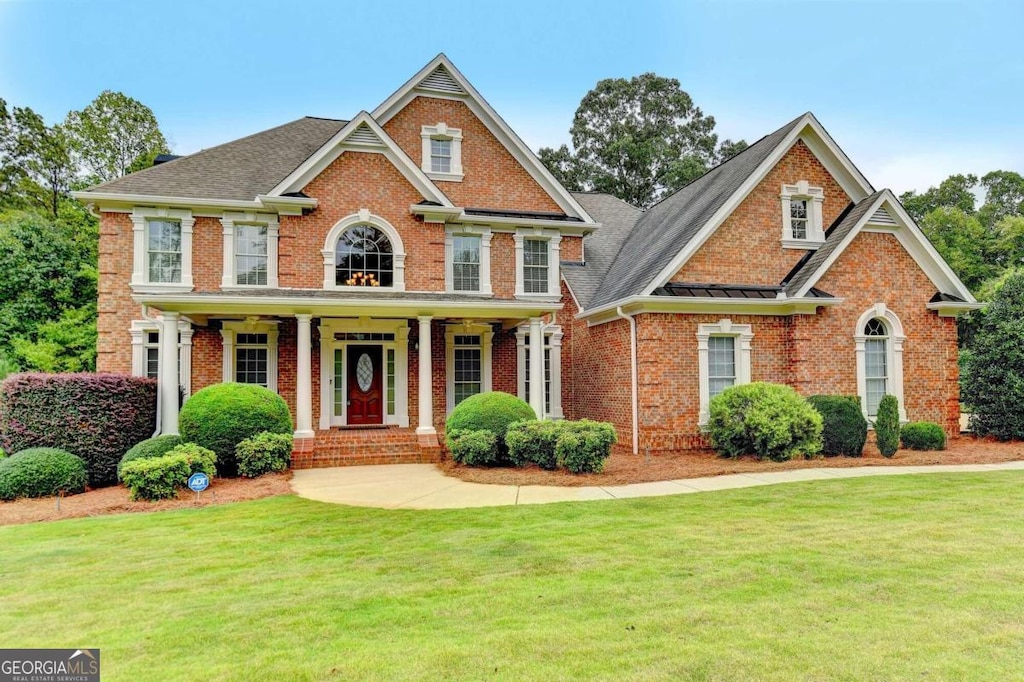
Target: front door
x: 365, y: 385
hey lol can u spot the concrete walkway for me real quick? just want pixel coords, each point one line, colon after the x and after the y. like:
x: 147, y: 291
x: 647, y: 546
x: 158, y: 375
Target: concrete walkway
x: 423, y: 486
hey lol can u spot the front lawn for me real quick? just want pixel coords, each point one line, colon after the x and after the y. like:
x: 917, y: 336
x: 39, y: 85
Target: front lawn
x: 889, y: 578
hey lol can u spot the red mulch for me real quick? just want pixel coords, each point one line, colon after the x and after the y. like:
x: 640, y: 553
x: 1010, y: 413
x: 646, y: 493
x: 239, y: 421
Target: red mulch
x: 627, y: 468
x: 114, y: 500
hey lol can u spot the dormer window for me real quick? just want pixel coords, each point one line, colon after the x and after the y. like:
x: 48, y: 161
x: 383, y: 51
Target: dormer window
x: 442, y: 152
x: 801, y: 216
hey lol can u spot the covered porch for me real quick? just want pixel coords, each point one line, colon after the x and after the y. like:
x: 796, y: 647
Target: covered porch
x: 369, y: 378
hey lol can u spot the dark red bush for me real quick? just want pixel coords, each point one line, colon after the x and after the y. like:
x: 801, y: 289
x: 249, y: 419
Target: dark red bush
x: 95, y: 416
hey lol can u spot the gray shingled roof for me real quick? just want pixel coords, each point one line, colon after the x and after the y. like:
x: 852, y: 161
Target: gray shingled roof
x: 617, y: 219
x: 236, y: 170
x: 833, y: 238
x: 669, y: 225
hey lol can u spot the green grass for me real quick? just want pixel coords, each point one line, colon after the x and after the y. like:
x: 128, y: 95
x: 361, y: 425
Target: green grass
x: 890, y: 578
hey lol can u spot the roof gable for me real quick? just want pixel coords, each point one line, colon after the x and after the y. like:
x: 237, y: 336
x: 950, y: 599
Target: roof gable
x: 440, y: 78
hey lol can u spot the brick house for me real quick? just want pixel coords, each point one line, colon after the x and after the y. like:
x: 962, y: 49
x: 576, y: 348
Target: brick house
x: 376, y: 271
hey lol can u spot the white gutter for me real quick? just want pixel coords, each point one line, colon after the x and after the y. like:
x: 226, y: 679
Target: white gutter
x: 633, y: 377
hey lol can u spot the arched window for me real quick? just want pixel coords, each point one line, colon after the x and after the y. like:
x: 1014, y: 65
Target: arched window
x: 879, y: 339
x: 876, y: 363
x: 363, y: 257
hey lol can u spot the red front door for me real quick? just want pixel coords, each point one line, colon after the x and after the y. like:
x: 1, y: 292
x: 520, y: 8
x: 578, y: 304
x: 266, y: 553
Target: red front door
x: 365, y: 385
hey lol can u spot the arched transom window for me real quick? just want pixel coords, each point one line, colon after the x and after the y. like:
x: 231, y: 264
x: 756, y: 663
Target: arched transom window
x: 363, y: 256
x: 876, y: 363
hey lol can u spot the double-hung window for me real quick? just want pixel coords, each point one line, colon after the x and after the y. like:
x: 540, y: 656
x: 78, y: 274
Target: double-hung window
x: 802, y: 226
x: 161, y: 249
x: 252, y: 359
x: 723, y: 360
x: 442, y: 152
x: 535, y: 266
x: 798, y: 218
x: 163, y: 252
x: 251, y: 255
x: 876, y: 373
x: 466, y: 262
x: 440, y: 156
x: 151, y: 350
x: 468, y: 357
x: 721, y: 364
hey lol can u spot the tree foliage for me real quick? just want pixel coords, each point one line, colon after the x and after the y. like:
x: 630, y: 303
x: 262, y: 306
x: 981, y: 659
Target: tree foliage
x: 638, y: 139
x: 956, y: 191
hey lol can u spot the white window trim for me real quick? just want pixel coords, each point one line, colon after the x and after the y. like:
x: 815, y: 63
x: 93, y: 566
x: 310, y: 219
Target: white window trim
x: 554, y: 334
x: 140, y: 216
x: 894, y: 356
x: 485, y: 257
x: 229, y: 331
x: 744, y: 334
x: 486, y: 333
x: 140, y: 328
x: 397, y: 250
x: 228, y: 221
x: 554, y: 239
x: 441, y: 131
x: 814, y: 196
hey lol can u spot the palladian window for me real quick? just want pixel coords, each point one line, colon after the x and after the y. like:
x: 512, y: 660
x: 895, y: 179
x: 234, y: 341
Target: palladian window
x: 363, y: 257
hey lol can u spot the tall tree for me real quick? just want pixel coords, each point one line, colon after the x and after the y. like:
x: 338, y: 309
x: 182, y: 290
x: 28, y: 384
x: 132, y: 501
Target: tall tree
x: 956, y: 191
x: 44, y: 155
x: 1004, y: 196
x: 111, y: 133
x: 963, y: 242
x: 638, y: 139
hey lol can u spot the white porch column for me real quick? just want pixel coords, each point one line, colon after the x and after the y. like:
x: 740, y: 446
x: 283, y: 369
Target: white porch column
x: 556, y: 374
x: 168, y: 383
x: 426, y: 418
x: 304, y: 378
x: 536, y: 351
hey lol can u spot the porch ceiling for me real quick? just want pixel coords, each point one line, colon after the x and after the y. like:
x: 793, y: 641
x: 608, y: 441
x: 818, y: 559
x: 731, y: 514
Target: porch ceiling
x: 346, y: 304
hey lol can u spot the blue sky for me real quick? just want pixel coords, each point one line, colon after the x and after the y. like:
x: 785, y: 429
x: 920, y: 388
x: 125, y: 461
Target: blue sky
x: 913, y: 91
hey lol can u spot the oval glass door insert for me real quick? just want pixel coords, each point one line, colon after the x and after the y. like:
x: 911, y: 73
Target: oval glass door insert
x: 364, y: 372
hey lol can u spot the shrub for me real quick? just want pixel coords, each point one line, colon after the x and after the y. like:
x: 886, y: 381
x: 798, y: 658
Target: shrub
x: 40, y: 472
x: 160, y: 478
x: 147, y: 449
x: 923, y: 436
x: 494, y: 412
x: 199, y: 459
x: 887, y: 426
x: 583, y: 446
x: 95, y: 416
x: 221, y: 416
x: 767, y: 420
x: 473, y: 448
x: 844, y: 428
x: 533, y: 442
x: 263, y: 453
x: 992, y: 380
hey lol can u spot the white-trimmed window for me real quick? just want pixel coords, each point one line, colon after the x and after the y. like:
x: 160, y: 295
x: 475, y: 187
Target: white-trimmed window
x: 879, y: 341
x: 723, y: 360
x: 364, y: 251
x: 146, y: 351
x: 468, y: 361
x: 162, y: 244
x: 442, y: 152
x: 801, y: 216
x: 250, y: 250
x: 552, y: 368
x: 250, y: 352
x: 468, y: 259
x: 537, y: 262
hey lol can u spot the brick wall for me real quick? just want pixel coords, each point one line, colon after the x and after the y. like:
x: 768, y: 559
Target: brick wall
x: 115, y: 306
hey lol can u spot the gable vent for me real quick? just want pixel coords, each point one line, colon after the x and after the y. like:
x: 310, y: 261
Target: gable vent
x: 441, y: 80
x: 882, y: 217
x: 363, y: 135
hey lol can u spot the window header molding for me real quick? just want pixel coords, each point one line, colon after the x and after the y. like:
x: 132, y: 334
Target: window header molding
x: 140, y: 216
x: 815, y: 197
x: 744, y: 333
x: 441, y: 131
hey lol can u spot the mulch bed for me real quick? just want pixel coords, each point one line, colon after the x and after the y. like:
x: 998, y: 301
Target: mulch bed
x: 627, y: 468
x: 114, y: 500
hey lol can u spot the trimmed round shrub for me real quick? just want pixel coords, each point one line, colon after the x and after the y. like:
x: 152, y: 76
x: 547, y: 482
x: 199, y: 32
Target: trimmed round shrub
x: 583, y: 446
x: 41, y: 472
x: 473, y: 448
x: 844, y: 428
x: 533, y: 442
x: 769, y: 421
x: 149, y: 448
x: 160, y: 478
x: 199, y: 459
x: 887, y: 426
x: 923, y: 436
x: 493, y: 411
x: 263, y: 453
x: 221, y: 416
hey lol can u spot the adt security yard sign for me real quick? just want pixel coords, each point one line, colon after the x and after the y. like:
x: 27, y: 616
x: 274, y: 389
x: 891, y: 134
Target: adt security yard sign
x: 198, y: 482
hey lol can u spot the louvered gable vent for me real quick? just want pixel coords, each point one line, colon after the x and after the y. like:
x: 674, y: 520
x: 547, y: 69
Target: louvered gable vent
x: 363, y: 135
x: 442, y: 81
x: 882, y: 217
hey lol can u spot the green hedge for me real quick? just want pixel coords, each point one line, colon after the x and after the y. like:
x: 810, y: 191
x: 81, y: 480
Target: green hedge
x: 161, y: 478
x: 534, y: 442
x: 887, y: 426
x: 221, y: 416
x: 41, y: 472
x: 584, y: 446
x: 473, y: 448
x: 770, y: 421
x: 493, y: 411
x: 263, y: 453
x: 844, y: 428
x: 923, y: 436
x: 147, y: 449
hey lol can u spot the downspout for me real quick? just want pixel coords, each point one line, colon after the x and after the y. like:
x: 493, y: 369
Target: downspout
x: 633, y: 377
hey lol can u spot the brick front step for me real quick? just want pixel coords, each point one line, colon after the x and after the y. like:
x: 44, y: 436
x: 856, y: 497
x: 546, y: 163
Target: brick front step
x: 347, y: 447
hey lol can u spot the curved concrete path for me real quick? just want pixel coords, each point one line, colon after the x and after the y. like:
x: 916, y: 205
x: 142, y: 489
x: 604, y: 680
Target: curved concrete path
x: 423, y: 486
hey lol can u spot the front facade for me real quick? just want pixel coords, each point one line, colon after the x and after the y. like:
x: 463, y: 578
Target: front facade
x: 377, y: 271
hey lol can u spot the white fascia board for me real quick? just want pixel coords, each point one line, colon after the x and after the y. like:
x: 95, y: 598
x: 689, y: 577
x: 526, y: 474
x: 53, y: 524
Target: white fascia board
x: 104, y: 199
x: 493, y: 122
x: 636, y: 305
x: 336, y: 146
x: 954, y: 308
x: 755, y: 178
x: 567, y: 227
